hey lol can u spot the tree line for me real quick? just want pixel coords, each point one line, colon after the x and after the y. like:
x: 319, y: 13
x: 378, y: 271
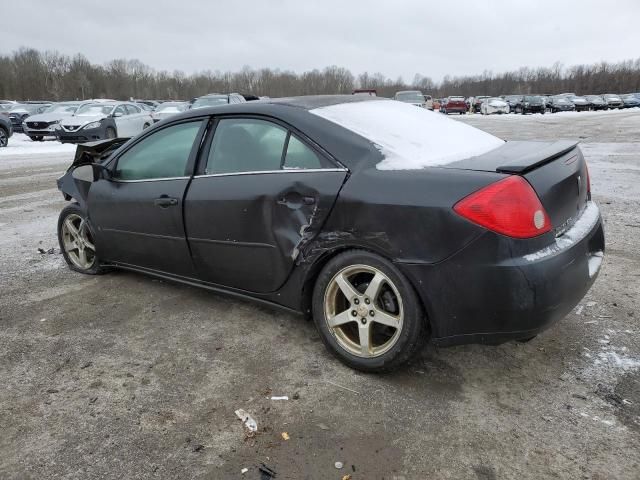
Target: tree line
x: 29, y: 74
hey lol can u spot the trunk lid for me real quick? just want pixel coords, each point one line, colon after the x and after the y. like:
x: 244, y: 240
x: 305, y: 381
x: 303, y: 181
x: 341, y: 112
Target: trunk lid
x: 556, y: 170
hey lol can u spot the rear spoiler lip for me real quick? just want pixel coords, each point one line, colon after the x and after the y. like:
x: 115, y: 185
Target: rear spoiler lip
x: 91, y: 152
x: 515, y: 157
x: 536, y: 159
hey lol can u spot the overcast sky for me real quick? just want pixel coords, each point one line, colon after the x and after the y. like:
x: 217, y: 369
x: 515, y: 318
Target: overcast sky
x: 394, y: 37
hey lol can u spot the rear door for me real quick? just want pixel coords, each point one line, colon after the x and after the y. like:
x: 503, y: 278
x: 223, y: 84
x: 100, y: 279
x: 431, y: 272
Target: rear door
x: 261, y: 192
x: 138, y: 212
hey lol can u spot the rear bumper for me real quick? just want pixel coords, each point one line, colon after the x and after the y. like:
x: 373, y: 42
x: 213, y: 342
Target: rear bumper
x: 482, y: 294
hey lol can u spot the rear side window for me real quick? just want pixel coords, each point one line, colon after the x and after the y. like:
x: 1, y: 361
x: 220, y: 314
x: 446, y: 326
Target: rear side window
x: 164, y: 154
x: 246, y: 145
x: 299, y: 156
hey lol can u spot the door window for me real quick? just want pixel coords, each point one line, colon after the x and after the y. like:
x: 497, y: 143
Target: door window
x: 246, y: 145
x: 299, y: 156
x: 120, y: 111
x: 132, y: 109
x: 164, y: 154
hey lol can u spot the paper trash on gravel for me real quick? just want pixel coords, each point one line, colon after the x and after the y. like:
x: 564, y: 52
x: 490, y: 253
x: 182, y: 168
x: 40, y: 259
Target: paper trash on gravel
x: 247, y: 420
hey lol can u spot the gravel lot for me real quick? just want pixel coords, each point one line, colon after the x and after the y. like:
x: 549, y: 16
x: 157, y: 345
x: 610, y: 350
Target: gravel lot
x: 122, y: 376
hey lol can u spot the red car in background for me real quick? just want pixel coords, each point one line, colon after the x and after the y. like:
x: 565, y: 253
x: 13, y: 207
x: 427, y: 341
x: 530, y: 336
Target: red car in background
x: 454, y: 105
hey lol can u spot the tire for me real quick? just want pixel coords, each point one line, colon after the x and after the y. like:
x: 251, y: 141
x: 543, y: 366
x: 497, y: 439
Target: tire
x: 68, y: 241
x: 393, y: 342
x: 110, y: 132
x: 4, y: 137
x: 37, y: 138
x: 145, y: 126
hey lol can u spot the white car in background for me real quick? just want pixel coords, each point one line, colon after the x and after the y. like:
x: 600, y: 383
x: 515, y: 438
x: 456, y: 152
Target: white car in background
x: 494, y: 105
x: 98, y: 121
x: 168, y: 109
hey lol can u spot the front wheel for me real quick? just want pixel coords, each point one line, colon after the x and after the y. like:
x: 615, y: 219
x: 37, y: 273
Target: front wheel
x: 76, y: 241
x: 4, y: 137
x: 367, y: 312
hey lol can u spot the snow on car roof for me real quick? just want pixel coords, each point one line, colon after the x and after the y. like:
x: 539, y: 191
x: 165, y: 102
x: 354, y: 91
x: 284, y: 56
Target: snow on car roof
x: 410, y: 137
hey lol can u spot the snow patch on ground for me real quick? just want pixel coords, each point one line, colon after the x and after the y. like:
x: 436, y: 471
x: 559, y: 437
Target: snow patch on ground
x: 407, y: 136
x: 20, y: 144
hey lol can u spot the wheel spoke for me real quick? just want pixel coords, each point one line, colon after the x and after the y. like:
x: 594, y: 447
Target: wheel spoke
x: 341, y: 319
x: 82, y: 257
x: 346, y: 287
x: 374, y: 286
x: 71, y: 228
x: 384, y: 318
x: 364, y: 335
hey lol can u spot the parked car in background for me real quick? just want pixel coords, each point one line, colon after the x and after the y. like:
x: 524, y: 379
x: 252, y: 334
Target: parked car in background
x: 215, y: 99
x: 6, y: 130
x: 494, y: 105
x: 560, y: 104
x: 437, y: 103
x: 20, y: 111
x: 44, y: 124
x: 582, y: 104
x: 428, y: 102
x: 530, y: 104
x: 483, y: 239
x: 97, y: 121
x: 371, y: 92
x: 145, y: 106
x: 597, y: 102
x: 454, y: 105
x: 413, y: 97
x: 630, y: 101
x: 512, y: 100
x: 5, y: 107
x: 613, y: 100
x: 477, y: 102
x: 168, y: 109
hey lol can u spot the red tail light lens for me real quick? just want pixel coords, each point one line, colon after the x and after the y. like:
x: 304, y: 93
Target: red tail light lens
x: 509, y: 207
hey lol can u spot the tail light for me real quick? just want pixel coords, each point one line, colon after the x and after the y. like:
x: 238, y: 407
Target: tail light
x: 509, y: 207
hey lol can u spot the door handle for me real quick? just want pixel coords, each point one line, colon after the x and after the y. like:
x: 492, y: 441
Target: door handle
x: 165, y: 201
x: 296, y: 200
x: 308, y: 200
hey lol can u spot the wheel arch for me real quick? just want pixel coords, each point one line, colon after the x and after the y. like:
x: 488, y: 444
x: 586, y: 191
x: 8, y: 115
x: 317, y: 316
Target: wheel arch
x: 313, y: 271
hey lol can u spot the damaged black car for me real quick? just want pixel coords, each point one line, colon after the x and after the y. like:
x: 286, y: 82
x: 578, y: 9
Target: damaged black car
x: 389, y: 225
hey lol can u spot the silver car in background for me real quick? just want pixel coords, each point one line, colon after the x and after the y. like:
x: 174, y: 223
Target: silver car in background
x: 168, y: 109
x: 494, y: 105
x: 44, y: 124
x: 414, y: 97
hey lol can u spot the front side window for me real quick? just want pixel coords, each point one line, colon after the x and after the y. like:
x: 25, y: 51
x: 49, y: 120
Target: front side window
x: 120, y: 111
x: 246, y: 145
x: 132, y: 109
x: 164, y: 154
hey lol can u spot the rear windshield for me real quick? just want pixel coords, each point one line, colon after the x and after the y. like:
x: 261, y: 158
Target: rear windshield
x: 176, y: 107
x: 407, y: 137
x: 210, y: 101
x: 410, y: 97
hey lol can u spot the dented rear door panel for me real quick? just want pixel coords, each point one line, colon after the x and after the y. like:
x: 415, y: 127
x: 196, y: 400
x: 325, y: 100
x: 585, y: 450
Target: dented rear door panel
x: 247, y: 230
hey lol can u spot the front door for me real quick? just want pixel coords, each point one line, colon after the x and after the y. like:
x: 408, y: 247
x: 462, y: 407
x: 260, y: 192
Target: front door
x: 138, y: 212
x: 261, y: 194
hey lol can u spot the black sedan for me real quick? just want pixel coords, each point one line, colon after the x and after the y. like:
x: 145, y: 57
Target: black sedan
x: 388, y: 224
x: 530, y: 104
x: 6, y: 130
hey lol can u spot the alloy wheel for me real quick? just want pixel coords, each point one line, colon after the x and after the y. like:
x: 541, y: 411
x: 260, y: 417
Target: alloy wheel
x: 78, y: 242
x: 4, y: 139
x: 363, y: 310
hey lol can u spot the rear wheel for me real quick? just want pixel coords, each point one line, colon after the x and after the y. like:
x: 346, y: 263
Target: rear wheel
x: 76, y: 241
x: 367, y: 312
x: 146, y: 125
x: 4, y: 137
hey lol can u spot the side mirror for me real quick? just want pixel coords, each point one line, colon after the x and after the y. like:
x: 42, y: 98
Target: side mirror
x: 118, y: 114
x: 90, y: 172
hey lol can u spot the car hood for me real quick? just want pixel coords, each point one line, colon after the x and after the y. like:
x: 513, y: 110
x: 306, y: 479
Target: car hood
x: 82, y: 120
x: 48, y: 117
x: 497, y: 103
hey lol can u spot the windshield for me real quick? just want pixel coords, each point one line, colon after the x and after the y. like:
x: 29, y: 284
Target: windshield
x: 210, y: 101
x: 410, y: 97
x: 94, y: 109
x: 495, y: 99
x: 532, y: 98
x: 28, y: 107
x: 176, y: 107
x: 61, y: 108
